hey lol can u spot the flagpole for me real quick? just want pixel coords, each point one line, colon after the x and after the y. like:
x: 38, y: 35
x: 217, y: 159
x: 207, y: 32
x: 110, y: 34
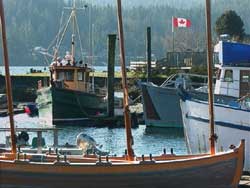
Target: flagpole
x: 173, y: 39
x: 173, y: 33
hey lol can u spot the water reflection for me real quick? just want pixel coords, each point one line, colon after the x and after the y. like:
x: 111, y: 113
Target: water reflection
x: 165, y: 132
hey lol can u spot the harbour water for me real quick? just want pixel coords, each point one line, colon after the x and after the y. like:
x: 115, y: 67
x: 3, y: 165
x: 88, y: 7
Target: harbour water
x: 146, y: 140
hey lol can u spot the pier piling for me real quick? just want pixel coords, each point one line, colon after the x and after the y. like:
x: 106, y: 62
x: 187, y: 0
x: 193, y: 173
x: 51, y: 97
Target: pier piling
x: 111, y: 73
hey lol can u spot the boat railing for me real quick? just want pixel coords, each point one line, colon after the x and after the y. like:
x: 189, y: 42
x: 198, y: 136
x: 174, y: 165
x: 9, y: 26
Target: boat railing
x: 39, y: 138
x: 169, y: 79
x: 189, y: 81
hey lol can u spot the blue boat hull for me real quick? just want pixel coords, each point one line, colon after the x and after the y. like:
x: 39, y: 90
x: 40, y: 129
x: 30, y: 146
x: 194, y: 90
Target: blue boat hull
x: 161, y: 106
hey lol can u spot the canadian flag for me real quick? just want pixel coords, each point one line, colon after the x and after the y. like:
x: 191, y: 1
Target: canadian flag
x: 181, y: 22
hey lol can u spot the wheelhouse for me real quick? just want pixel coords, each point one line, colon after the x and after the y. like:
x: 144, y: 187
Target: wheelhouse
x: 71, y: 77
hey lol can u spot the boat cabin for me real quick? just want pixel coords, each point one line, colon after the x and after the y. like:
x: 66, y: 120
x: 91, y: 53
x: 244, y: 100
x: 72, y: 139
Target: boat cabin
x: 71, y: 77
x: 233, y: 69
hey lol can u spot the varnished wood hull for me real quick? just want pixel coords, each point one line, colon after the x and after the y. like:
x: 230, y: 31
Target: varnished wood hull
x: 220, y: 171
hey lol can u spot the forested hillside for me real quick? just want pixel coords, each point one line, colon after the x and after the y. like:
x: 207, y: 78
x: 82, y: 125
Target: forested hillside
x: 32, y: 23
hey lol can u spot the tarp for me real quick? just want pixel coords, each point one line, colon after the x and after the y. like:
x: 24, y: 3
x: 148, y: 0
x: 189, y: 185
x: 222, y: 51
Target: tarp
x: 234, y: 54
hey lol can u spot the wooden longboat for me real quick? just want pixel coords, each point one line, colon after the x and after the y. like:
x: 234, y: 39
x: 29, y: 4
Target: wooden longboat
x: 221, y: 170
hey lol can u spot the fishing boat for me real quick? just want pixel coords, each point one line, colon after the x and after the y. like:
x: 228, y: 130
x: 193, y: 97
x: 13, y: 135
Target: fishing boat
x: 161, y: 106
x: 232, y: 117
x: 71, y: 96
x: 156, y: 98
x: 217, y: 170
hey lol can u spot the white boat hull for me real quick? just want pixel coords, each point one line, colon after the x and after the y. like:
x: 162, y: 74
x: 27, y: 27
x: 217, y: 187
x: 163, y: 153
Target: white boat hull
x: 231, y: 125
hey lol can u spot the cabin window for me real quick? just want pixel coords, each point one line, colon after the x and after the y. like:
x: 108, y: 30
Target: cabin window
x: 69, y: 75
x: 245, y: 78
x: 80, y: 76
x: 60, y: 76
x: 228, y: 77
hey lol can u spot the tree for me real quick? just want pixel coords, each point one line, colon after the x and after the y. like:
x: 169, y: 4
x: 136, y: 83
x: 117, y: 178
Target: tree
x: 230, y: 23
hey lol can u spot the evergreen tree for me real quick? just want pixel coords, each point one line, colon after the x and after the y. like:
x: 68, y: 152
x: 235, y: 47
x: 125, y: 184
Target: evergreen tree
x: 230, y: 23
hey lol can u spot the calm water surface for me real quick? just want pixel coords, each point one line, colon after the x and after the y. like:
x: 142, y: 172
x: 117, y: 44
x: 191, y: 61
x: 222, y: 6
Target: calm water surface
x: 146, y: 140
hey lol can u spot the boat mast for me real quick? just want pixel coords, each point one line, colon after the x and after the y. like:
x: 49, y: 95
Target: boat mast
x: 213, y: 136
x: 7, y: 79
x: 73, y: 32
x: 124, y: 84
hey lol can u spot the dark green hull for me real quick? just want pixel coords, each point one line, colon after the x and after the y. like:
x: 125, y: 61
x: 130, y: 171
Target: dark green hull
x: 69, y: 105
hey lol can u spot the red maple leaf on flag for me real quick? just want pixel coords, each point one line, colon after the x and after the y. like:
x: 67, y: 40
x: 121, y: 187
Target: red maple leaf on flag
x: 181, y: 22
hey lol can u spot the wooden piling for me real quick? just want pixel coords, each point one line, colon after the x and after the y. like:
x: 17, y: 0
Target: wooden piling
x: 148, y: 54
x: 111, y: 73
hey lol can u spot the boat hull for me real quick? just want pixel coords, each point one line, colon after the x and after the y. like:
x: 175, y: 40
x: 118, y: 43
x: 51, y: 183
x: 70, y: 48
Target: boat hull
x: 231, y: 125
x: 68, y: 105
x: 218, y: 171
x: 161, y: 106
